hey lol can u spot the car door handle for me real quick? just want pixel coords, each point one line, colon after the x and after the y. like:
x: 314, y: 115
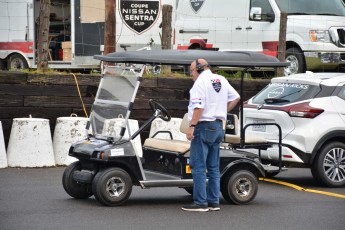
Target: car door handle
x: 249, y: 28
x: 238, y: 28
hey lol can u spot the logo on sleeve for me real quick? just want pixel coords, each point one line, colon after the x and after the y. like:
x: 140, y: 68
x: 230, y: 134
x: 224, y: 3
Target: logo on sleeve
x: 217, y: 85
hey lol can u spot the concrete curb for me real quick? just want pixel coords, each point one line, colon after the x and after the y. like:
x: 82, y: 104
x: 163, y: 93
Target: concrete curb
x: 173, y: 126
x: 30, y: 143
x: 68, y: 130
x: 3, y: 156
x: 112, y: 127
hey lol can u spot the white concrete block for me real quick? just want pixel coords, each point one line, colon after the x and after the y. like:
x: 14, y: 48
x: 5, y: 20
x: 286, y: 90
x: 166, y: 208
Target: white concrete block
x: 68, y: 130
x: 173, y: 126
x: 112, y: 127
x: 3, y: 156
x: 30, y: 143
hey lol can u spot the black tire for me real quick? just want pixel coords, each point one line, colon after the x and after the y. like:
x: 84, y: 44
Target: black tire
x: 296, y: 59
x: 239, y: 187
x: 78, y: 191
x: 329, y: 166
x: 2, y: 64
x: 17, y: 62
x: 112, y: 187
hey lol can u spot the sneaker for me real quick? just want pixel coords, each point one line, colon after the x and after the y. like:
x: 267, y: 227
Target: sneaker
x: 195, y: 208
x: 213, y: 207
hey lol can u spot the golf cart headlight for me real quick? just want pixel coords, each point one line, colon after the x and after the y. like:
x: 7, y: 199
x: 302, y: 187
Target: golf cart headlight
x: 319, y: 36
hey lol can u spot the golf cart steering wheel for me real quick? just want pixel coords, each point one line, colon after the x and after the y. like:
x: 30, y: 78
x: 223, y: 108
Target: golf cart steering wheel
x: 164, y: 114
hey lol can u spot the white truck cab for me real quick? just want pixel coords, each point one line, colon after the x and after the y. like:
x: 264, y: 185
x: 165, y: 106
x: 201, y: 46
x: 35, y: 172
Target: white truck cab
x: 315, y: 36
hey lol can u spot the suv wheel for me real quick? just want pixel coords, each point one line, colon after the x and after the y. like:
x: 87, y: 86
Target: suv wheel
x: 329, y: 166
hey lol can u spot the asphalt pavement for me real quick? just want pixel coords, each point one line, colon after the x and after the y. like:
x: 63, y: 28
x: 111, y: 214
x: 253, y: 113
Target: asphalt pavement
x: 35, y: 199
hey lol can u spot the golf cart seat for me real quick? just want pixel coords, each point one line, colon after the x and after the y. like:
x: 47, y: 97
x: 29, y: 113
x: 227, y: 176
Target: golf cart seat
x: 167, y: 129
x: 170, y: 145
x: 233, y: 138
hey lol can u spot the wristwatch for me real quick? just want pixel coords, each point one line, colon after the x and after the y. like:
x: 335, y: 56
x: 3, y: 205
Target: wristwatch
x: 192, y: 125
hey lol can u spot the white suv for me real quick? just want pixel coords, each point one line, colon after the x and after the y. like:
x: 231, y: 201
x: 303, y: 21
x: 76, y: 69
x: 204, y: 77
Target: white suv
x: 310, y: 108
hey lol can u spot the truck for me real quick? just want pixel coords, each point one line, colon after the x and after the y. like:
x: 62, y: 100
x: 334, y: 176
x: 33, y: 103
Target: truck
x: 71, y: 42
x: 315, y: 34
x: 76, y: 31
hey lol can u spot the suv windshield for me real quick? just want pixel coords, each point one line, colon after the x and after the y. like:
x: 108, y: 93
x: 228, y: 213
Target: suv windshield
x: 112, y: 102
x: 319, y: 7
x: 282, y: 93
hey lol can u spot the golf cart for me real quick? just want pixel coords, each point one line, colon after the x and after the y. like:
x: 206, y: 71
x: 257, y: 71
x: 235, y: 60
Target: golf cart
x: 108, y: 162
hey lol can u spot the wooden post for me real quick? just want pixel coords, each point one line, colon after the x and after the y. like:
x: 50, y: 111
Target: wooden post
x: 110, y: 27
x: 166, y: 26
x: 166, y: 32
x: 43, y: 36
x: 282, y: 42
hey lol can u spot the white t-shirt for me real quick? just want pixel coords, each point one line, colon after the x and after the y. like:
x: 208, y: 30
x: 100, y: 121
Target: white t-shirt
x: 211, y: 92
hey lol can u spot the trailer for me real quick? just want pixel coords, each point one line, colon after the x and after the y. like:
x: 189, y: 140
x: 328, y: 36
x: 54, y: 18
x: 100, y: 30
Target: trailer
x: 76, y: 31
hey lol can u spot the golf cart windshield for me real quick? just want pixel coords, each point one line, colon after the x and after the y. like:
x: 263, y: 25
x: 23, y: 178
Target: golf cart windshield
x: 110, y: 110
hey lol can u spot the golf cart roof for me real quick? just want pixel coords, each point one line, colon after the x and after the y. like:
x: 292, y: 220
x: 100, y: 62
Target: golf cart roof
x: 185, y: 57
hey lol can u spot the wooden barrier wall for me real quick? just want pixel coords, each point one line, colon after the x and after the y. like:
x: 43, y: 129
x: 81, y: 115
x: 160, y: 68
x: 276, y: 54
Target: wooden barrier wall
x: 52, y: 96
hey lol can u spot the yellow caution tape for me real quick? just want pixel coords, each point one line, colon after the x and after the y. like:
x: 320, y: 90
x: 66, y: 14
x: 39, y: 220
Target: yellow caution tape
x: 303, y: 189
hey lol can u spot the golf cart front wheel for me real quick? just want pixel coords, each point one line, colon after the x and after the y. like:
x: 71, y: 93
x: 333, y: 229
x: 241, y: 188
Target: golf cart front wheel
x: 112, y: 187
x: 240, y: 187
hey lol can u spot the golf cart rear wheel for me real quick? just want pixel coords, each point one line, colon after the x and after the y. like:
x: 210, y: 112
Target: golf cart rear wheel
x: 240, y: 187
x: 78, y: 191
x: 112, y: 186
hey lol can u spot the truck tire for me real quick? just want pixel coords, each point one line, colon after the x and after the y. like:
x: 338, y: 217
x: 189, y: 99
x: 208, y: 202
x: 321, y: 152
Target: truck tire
x: 17, y: 62
x: 112, y: 186
x: 296, y: 59
x: 329, y: 165
x: 2, y: 64
x: 239, y: 187
x: 78, y: 191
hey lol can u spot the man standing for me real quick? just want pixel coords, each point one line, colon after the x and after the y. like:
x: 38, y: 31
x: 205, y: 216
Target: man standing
x: 211, y: 97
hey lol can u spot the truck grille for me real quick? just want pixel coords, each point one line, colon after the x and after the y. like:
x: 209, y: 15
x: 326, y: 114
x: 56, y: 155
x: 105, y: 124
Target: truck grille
x: 338, y: 36
x: 342, y: 56
x: 341, y: 35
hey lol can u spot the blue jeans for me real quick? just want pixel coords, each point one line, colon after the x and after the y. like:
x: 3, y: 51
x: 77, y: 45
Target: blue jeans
x: 204, y: 155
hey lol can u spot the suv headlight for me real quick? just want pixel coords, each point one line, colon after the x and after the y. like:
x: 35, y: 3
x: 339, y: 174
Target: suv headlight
x: 319, y: 36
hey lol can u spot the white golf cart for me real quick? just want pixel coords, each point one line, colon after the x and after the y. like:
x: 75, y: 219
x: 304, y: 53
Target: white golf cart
x: 108, y: 164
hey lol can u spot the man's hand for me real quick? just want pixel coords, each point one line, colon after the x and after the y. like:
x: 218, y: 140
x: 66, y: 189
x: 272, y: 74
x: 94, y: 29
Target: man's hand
x: 189, y: 133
